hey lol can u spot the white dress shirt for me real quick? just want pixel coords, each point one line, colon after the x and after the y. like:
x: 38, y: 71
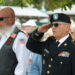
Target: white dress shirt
x: 62, y: 40
x: 20, y: 51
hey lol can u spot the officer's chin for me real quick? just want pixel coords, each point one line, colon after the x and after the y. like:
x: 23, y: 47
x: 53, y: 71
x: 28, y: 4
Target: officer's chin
x: 55, y: 36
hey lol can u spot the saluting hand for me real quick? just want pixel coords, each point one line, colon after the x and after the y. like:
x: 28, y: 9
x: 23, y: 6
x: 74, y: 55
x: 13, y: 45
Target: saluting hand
x: 43, y: 28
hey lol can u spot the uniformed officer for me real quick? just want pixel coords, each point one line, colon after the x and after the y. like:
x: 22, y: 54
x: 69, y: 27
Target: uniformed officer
x: 13, y: 52
x: 34, y: 60
x: 58, y: 51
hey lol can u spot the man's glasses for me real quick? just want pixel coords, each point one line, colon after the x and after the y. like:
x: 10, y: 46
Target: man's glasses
x: 2, y: 18
x: 55, y: 25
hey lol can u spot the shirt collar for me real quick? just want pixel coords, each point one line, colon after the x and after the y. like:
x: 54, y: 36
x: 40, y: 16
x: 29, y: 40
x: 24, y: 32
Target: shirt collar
x: 63, y: 39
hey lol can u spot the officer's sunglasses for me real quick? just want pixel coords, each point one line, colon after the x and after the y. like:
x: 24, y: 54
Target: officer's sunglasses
x: 55, y: 25
x: 2, y: 18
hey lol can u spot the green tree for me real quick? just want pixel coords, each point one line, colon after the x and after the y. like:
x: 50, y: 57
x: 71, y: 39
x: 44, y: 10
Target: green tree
x: 49, y: 4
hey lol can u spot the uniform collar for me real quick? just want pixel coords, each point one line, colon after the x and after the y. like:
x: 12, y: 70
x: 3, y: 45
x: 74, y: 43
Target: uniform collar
x: 62, y: 39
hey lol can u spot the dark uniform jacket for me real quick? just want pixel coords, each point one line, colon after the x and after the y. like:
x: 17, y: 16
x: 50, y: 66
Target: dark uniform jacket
x: 56, y: 60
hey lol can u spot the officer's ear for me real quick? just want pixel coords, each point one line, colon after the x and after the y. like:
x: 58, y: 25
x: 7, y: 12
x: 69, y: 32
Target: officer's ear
x: 68, y: 27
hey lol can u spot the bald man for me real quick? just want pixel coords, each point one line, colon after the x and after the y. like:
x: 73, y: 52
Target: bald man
x: 13, y: 52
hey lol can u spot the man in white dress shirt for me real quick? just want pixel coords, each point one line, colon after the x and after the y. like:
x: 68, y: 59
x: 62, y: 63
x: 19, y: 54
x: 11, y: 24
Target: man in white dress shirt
x: 13, y: 52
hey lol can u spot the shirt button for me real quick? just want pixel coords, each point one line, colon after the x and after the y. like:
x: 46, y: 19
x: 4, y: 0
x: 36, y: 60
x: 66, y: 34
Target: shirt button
x: 51, y: 59
x: 43, y: 61
x: 61, y: 62
x: 49, y: 66
x: 48, y: 72
x: 44, y: 55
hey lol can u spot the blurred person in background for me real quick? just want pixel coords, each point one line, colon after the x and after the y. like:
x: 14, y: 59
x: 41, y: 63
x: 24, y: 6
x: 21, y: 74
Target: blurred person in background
x: 73, y: 31
x: 48, y: 34
x: 35, y: 60
x: 13, y: 52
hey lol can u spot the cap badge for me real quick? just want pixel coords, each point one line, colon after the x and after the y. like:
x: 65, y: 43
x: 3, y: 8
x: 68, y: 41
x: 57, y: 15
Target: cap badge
x: 55, y: 16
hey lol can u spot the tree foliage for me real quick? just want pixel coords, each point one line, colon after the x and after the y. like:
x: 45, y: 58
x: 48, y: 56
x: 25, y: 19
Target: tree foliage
x: 49, y: 4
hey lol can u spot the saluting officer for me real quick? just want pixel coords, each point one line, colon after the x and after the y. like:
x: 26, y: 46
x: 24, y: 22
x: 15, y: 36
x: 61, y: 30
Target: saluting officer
x: 58, y: 51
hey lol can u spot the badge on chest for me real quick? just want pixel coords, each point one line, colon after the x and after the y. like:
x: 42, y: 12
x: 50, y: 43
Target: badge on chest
x: 64, y: 54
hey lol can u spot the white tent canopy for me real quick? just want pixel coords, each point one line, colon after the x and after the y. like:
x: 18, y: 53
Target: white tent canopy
x: 68, y: 11
x: 30, y: 23
x: 22, y: 11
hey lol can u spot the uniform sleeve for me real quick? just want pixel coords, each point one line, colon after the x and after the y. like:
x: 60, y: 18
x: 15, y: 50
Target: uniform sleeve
x: 34, y: 43
x: 19, y: 47
x: 73, y: 61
